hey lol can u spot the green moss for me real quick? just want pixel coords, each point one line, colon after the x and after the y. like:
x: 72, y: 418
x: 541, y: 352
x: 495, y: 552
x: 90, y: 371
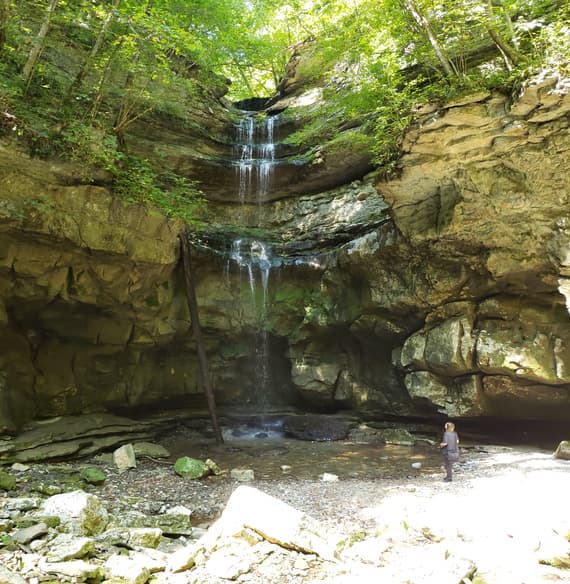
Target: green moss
x: 7, y: 542
x: 52, y: 521
x: 7, y: 481
x: 93, y: 476
x: 48, y: 489
x: 191, y: 468
x: 151, y: 301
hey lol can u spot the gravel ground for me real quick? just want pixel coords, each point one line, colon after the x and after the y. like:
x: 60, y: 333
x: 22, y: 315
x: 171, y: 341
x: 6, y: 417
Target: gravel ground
x: 505, y: 513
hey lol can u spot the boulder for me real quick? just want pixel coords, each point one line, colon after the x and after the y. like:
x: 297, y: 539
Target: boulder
x: 269, y: 519
x: 460, y: 397
x: 563, y: 450
x: 242, y: 475
x: 27, y: 534
x: 66, y: 547
x: 74, y: 570
x: 126, y: 570
x: 80, y: 513
x: 150, y: 449
x: 124, y: 457
x: 93, y: 476
x: 7, y: 481
x: 191, y: 468
x: 131, y: 537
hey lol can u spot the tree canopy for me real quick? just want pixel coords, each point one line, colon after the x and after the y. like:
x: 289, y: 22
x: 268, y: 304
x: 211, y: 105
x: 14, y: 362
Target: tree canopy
x: 78, y: 72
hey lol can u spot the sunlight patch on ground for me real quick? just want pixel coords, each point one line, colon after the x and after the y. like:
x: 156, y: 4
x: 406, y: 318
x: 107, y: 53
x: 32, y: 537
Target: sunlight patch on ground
x: 505, y: 523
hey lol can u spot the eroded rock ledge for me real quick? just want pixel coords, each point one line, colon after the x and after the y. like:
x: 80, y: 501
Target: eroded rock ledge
x: 442, y: 291
x: 483, y: 198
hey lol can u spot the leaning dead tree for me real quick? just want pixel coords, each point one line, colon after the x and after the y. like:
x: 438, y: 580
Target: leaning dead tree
x: 194, y: 315
x: 38, y: 45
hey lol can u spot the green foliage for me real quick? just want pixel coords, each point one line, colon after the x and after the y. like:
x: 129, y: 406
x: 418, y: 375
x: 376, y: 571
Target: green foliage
x: 90, y: 144
x: 7, y: 481
x: 552, y: 46
x: 376, y: 59
x: 136, y: 181
x: 6, y: 541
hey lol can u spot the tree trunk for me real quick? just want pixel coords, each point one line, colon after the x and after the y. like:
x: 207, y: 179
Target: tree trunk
x: 194, y: 315
x: 425, y: 26
x: 98, y: 97
x: 38, y: 46
x: 511, y: 56
x: 88, y: 63
x: 4, y: 13
x: 508, y: 21
x: 125, y: 114
x: 509, y: 51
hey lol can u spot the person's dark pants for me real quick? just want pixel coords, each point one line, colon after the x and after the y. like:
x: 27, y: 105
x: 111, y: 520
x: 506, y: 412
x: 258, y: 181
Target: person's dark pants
x: 447, y: 464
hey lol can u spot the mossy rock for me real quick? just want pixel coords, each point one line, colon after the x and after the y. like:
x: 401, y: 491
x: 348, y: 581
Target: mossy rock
x: 191, y: 468
x: 7, y: 481
x: 52, y: 521
x: 93, y: 476
x: 8, y: 543
x: 45, y: 489
x: 214, y: 468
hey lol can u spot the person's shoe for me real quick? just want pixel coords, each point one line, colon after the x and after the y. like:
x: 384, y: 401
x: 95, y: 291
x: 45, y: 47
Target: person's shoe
x: 447, y: 479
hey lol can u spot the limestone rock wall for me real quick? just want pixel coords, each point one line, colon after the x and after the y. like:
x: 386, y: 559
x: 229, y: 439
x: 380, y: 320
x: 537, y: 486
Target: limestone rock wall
x: 87, y: 293
x: 443, y: 290
x: 483, y: 200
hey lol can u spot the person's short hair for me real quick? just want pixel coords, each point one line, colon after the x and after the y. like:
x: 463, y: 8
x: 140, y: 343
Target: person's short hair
x: 449, y: 426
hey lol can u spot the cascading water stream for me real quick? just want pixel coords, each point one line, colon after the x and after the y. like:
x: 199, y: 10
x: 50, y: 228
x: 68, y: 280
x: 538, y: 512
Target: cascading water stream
x: 255, y: 161
x: 255, y: 152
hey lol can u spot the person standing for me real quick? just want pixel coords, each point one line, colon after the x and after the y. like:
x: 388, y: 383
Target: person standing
x: 449, y: 448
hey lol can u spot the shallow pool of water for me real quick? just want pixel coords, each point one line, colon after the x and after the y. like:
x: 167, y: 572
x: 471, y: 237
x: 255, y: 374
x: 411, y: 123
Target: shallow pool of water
x: 272, y: 457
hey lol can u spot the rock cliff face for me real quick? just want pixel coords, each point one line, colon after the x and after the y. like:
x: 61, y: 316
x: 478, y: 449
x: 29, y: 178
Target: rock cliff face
x: 443, y: 290
x: 483, y: 197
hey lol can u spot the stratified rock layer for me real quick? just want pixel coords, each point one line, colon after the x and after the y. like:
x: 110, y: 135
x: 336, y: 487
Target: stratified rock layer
x: 445, y: 290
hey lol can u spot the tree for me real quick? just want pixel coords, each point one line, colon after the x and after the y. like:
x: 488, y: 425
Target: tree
x: 4, y: 14
x: 195, y: 316
x: 38, y: 45
x: 507, y: 49
x: 424, y: 25
x: 90, y: 60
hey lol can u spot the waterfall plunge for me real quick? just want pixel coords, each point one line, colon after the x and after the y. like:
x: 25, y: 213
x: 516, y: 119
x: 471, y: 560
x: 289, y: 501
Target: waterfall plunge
x: 255, y: 160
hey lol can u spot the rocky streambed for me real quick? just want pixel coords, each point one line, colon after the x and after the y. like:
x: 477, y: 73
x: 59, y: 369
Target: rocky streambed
x: 358, y: 509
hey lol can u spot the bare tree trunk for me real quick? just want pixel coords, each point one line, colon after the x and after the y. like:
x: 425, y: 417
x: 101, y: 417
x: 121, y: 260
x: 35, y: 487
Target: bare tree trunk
x: 508, y: 22
x: 125, y: 114
x: 509, y: 51
x: 425, y: 26
x: 511, y: 56
x: 194, y: 315
x: 4, y: 14
x: 88, y: 63
x: 38, y: 46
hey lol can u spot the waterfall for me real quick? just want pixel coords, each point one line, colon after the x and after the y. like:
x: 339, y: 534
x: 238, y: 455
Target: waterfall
x: 252, y: 256
x: 252, y: 259
x: 254, y: 152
